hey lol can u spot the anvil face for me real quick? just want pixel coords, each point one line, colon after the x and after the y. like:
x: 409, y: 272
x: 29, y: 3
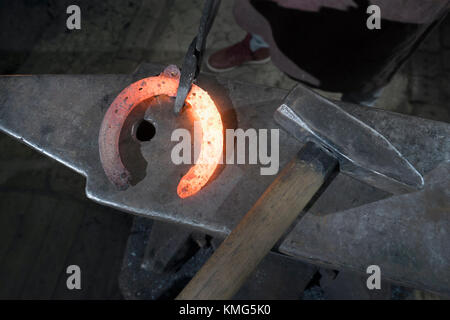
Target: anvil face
x: 50, y: 114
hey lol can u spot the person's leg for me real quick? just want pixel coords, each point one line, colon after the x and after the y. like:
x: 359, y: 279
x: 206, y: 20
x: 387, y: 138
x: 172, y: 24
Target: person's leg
x: 251, y: 50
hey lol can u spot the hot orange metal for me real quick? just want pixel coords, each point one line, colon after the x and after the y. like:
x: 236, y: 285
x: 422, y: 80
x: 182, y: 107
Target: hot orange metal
x: 211, y: 145
x: 205, y: 112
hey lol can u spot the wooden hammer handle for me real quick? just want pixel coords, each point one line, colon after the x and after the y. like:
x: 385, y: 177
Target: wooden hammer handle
x: 239, y: 254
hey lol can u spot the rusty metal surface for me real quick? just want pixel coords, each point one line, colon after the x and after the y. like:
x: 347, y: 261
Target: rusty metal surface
x: 116, y: 115
x: 60, y: 115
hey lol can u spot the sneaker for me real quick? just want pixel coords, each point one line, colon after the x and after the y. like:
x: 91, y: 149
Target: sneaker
x: 236, y: 55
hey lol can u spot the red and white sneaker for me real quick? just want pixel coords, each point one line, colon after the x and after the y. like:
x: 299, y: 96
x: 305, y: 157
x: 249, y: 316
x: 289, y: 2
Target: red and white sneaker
x: 236, y: 55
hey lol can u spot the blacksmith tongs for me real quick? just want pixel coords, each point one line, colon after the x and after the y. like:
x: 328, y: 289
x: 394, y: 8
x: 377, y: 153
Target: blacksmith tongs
x: 193, y: 59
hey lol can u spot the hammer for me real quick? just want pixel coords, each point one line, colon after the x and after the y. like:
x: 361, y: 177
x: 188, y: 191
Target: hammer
x: 334, y: 140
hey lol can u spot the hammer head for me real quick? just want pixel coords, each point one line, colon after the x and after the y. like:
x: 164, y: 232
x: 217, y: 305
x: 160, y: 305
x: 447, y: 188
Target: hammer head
x: 362, y: 152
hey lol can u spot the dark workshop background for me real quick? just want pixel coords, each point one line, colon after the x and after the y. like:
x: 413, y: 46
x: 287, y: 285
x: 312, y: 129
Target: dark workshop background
x: 46, y: 222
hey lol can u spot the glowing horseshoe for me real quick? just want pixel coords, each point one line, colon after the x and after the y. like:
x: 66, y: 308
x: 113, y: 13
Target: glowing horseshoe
x: 165, y: 84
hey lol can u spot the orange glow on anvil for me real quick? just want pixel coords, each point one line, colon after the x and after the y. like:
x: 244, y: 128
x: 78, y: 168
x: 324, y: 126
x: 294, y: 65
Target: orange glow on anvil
x: 205, y: 112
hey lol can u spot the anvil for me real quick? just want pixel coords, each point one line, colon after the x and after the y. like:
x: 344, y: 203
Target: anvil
x: 60, y: 115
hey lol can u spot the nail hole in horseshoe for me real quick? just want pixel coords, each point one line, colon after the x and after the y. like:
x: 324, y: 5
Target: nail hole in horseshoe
x: 145, y: 131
